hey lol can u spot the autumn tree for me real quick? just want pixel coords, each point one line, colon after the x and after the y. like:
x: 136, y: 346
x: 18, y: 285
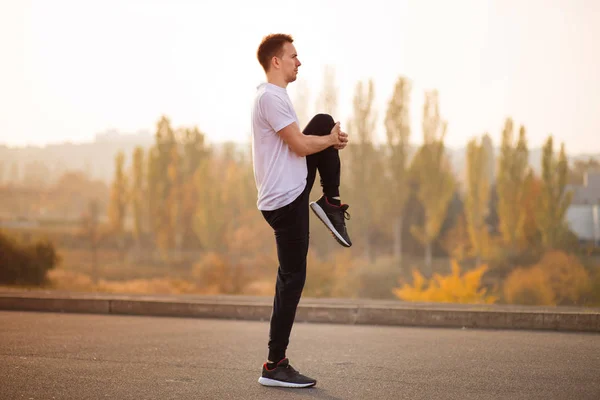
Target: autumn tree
x: 490, y: 162
x: 530, y: 237
x: 195, y: 154
x: 152, y: 190
x: 327, y: 101
x: 360, y: 152
x: 138, y: 194
x: 90, y: 231
x: 397, y: 123
x: 225, y: 192
x: 477, y: 197
x: 162, y: 168
x: 117, y: 207
x: 301, y: 101
x: 511, y: 184
x: 554, y: 200
x: 174, y: 204
x: 433, y: 173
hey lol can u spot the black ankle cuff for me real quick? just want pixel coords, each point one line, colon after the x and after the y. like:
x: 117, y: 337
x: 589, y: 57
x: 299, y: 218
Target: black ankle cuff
x: 276, y: 355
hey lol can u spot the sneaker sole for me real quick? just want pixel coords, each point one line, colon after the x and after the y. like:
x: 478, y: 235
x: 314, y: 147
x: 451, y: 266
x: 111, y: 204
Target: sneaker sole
x: 320, y: 213
x: 274, y: 383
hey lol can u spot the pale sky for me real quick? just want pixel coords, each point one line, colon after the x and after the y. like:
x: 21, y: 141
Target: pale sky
x: 71, y: 69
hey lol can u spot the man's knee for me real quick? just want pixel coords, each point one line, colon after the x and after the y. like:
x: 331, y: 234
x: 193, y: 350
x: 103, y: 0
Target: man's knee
x: 320, y: 125
x: 324, y: 119
x: 293, y: 282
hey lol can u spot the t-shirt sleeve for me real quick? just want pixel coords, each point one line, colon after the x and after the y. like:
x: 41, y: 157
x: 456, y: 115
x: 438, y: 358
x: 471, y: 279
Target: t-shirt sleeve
x: 276, y: 112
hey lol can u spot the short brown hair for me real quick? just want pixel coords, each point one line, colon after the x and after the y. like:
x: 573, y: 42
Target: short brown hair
x: 271, y: 46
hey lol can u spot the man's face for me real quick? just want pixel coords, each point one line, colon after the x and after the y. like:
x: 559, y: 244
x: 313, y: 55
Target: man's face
x: 289, y: 62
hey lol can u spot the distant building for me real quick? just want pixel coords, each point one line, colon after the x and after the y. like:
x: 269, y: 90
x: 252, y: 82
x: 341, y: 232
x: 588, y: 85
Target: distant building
x: 583, y: 216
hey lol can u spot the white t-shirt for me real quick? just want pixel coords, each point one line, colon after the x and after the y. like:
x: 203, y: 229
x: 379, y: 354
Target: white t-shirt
x: 280, y: 174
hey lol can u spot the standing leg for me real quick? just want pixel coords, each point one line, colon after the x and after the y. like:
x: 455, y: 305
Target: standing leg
x: 290, y: 224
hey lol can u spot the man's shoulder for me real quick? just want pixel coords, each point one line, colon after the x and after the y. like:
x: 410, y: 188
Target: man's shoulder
x: 269, y: 94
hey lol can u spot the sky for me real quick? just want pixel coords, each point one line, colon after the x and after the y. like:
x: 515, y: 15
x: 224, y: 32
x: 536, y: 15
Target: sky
x: 72, y: 69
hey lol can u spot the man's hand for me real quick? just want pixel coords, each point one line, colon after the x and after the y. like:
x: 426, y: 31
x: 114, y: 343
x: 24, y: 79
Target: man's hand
x: 343, y: 139
x: 339, y: 138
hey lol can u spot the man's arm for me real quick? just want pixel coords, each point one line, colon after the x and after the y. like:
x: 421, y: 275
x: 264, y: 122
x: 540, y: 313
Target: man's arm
x: 304, y: 145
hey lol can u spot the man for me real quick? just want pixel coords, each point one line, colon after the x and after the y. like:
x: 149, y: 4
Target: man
x: 285, y: 162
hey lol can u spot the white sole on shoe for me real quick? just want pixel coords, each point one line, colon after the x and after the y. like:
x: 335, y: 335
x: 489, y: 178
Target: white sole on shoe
x: 323, y: 217
x: 271, y: 382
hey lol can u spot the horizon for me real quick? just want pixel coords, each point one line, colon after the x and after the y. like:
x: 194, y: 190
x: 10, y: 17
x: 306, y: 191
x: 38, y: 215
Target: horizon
x: 489, y: 60
x: 150, y: 135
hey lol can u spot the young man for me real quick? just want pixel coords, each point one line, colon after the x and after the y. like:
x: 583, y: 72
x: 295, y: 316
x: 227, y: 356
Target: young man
x: 285, y: 162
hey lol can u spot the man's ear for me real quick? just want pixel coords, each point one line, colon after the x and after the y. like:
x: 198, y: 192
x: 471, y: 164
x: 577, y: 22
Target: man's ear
x: 275, y: 62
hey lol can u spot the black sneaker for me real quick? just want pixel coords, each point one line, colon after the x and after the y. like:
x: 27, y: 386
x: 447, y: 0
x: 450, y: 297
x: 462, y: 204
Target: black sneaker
x: 283, y: 375
x: 334, y: 219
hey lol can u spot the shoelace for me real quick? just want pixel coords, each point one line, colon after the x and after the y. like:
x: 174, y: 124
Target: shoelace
x: 344, y: 208
x: 292, y: 370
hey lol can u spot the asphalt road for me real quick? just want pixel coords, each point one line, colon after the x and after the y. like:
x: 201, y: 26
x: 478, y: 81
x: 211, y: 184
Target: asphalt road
x: 71, y: 356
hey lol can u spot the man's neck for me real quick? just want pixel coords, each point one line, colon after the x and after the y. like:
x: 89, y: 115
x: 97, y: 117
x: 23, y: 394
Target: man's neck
x: 277, y: 80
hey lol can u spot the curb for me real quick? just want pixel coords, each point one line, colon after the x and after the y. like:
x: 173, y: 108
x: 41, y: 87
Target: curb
x: 341, y: 311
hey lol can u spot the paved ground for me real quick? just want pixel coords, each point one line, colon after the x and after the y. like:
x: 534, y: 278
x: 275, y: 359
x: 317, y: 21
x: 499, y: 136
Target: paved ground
x: 72, y: 356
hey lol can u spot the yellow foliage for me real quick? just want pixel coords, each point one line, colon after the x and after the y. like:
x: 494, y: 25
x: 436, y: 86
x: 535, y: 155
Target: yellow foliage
x: 225, y: 274
x: 567, y: 277
x: 528, y: 287
x: 328, y: 277
x: 452, y: 288
x: 559, y: 278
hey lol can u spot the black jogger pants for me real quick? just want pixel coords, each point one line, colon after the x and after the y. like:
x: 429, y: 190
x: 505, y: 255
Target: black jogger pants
x: 291, y: 227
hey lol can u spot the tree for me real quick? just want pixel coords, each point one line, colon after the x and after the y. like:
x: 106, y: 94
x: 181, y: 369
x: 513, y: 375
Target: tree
x: 301, y: 100
x: 477, y: 197
x: 174, y: 203
x: 152, y: 187
x: 432, y: 171
x: 328, y: 99
x: 530, y: 207
x: 490, y: 162
x: 511, y: 184
x: 195, y: 154
x: 554, y: 199
x: 117, y: 208
x: 361, y: 154
x: 397, y: 123
x: 90, y: 230
x: 138, y: 194
x: 161, y: 171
